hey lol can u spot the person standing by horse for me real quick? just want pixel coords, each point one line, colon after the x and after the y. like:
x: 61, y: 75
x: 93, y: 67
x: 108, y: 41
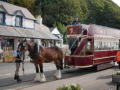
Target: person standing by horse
x: 17, y: 61
x: 18, y: 54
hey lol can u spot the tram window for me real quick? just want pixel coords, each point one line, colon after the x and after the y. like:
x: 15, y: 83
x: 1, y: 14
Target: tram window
x: 95, y: 45
x: 89, y: 46
x: 113, y: 47
x: 102, y: 45
x: 117, y: 45
x: 109, y: 46
x: 105, y: 46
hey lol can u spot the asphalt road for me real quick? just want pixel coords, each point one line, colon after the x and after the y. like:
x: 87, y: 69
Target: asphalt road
x: 88, y: 79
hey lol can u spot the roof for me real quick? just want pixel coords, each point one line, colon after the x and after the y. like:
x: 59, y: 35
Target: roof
x: 103, y: 30
x: 54, y: 31
x: 51, y: 29
x: 11, y: 9
x: 25, y: 33
x: 44, y: 30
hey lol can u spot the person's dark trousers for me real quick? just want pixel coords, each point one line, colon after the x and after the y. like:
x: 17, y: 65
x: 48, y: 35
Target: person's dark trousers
x: 72, y: 50
x: 119, y: 64
x: 118, y: 86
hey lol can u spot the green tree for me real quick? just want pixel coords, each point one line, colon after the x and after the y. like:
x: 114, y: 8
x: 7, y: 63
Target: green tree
x: 60, y: 13
x: 29, y: 4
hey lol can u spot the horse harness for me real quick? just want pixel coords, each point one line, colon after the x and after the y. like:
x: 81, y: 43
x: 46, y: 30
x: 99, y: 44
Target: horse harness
x: 35, y: 53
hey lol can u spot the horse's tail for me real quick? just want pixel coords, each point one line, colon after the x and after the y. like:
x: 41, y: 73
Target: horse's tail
x: 61, y: 59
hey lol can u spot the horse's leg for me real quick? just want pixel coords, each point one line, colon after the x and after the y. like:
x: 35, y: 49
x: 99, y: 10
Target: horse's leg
x: 42, y: 76
x: 58, y: 74
x: 37, y: 77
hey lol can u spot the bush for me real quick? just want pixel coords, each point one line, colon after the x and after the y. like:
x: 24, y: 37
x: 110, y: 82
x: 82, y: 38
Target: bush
x: 70, y: 87
x: 118, y: 73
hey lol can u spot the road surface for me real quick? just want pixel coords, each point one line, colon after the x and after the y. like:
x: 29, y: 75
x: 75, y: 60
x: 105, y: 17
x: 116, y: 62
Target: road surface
x: 88, y: 79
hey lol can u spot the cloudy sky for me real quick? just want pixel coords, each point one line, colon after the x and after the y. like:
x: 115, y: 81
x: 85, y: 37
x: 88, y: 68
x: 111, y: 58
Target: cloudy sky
x: 117, y: 2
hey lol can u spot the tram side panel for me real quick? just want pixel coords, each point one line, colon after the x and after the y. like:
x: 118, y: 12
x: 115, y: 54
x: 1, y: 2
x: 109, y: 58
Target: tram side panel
x: 104, y: 56
x: 79, y: 61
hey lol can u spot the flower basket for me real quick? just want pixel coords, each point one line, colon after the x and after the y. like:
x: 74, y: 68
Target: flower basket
x: 8, y: 59
x: 116, y: 77
x: 70, y: 87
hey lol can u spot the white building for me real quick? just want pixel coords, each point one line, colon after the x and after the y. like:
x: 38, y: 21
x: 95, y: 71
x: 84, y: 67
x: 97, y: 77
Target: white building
x: 57, y: 34
x: 17, y: 23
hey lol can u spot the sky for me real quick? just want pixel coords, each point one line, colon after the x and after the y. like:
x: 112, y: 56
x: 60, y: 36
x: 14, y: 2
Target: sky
x: 117, y: 2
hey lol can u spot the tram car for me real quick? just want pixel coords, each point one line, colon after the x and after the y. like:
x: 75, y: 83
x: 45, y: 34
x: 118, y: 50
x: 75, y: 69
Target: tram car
x: 92, y: 46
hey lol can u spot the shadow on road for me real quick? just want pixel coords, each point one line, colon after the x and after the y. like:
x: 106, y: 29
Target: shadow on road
x: 28, y: 79
x: 104, y: 77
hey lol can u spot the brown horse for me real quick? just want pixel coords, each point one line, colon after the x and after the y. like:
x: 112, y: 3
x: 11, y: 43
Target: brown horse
x: 45, y: 55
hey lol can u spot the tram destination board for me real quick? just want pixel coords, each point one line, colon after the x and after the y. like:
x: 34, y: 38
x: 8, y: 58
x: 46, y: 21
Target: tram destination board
x: 74, y: 30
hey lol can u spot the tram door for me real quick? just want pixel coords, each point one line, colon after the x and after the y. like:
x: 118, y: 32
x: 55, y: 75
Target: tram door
x: 73, y: 43
x: 89, y: 47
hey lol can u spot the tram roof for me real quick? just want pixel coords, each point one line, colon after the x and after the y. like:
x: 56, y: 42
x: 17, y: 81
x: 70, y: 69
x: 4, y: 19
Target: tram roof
x: 98, y: 30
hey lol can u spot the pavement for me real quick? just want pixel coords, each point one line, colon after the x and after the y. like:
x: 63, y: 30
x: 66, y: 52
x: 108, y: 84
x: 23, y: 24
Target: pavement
x: 88, y: 79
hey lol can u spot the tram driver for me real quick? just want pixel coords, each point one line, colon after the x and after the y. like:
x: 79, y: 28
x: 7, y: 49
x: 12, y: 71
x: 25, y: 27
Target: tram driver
x: 76, y: 21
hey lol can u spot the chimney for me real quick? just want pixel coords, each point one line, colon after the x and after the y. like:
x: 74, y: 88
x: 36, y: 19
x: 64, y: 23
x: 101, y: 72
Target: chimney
x: 39, y: 19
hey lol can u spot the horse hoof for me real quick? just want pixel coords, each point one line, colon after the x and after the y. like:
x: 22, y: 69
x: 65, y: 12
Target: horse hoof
x: 42, y: 78
x: 42, y: 81
x: 37, y: 78
x: 58, y: 77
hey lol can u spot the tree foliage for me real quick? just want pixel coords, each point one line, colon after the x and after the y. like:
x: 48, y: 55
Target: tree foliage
x: 61, y: 13
x: 29, y: 4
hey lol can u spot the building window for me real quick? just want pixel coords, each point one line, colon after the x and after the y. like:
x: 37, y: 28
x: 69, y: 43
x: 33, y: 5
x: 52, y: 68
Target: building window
x: 2, y: 18
x: 19, y: 20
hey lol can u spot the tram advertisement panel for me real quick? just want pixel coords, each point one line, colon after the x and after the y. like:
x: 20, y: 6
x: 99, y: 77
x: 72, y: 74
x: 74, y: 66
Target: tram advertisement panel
x: 71, y: 30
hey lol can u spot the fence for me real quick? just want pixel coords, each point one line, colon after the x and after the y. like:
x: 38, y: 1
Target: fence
x: 8, y: 54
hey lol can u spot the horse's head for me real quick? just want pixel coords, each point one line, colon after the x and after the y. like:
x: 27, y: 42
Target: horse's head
x: 29, y: 46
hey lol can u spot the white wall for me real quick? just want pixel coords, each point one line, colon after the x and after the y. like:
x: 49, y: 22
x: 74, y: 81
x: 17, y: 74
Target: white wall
x: 28, y: 23
x: 10, y: 20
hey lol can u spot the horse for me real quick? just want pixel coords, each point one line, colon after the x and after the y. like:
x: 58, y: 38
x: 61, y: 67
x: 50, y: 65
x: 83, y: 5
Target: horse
x: 45, y: 55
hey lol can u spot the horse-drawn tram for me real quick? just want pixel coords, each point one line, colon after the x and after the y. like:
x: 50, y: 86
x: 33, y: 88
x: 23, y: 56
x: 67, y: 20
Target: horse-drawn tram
x: 92, y: 46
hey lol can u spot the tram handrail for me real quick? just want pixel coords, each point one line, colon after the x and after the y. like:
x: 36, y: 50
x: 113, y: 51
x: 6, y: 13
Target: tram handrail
x: 75, y: 41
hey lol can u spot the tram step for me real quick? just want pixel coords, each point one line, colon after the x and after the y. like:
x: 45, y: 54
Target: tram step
x: 105, y: 65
